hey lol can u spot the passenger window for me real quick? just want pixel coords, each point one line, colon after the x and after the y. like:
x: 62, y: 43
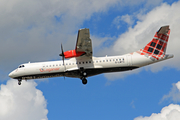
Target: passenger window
x: 83, y: 62
x: 106, y: 60
x: 86, y: 62
x: 79, y: 62
x: 89, y: 61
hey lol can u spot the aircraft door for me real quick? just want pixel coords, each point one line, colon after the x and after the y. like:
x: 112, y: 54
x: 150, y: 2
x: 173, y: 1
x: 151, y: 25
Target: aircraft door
x: 43, y: 68
x: 129, y: 60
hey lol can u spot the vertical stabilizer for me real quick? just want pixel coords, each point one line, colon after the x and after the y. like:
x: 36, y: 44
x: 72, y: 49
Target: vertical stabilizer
x: 157, y: 47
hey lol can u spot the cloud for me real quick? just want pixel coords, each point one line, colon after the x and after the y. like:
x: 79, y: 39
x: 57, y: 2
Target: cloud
x: 23, y: 102
x: 125, y: 18
x: 142, y: 32
x: 171, y: 112
x: 174, y: 94
x: 33, y: 30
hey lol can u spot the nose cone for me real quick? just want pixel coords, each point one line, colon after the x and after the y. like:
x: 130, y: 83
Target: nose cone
x: 11, y: 75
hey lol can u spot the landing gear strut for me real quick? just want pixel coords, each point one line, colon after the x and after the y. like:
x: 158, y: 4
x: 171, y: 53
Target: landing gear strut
x: 19, y: 82
x: 84, y: 75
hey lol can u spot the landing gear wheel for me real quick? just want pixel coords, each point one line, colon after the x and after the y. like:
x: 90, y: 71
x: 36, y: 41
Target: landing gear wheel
x: 19, y: 82
x: 84, y: 81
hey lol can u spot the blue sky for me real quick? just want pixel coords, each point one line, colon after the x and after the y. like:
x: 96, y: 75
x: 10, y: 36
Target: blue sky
x: 34, y: 33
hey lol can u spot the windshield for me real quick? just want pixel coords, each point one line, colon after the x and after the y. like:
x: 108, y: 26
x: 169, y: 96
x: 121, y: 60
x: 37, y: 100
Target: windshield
x: 21, y: 66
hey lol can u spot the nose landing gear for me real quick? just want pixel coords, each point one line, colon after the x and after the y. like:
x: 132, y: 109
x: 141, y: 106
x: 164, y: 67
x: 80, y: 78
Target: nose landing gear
x: 19, y: 81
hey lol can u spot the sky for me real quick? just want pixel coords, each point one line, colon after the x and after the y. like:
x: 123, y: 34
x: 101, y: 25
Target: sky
x: 34, y: 30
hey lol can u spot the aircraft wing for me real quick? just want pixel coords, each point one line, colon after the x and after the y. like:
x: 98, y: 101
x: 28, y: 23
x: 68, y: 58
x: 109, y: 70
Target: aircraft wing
x: 84, y: 43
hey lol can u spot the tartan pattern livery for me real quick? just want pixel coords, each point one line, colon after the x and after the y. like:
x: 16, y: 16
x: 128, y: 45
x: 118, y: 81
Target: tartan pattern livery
x: 156, y: 49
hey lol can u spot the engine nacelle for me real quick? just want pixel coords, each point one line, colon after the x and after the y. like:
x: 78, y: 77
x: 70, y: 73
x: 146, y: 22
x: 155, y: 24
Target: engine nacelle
x: 73, y: 53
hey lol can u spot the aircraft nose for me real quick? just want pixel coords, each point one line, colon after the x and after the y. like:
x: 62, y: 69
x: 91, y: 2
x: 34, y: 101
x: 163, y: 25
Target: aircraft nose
x: 11, y: 74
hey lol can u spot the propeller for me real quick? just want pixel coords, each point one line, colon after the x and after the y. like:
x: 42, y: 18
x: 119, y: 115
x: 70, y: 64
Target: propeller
x: 62, y: 54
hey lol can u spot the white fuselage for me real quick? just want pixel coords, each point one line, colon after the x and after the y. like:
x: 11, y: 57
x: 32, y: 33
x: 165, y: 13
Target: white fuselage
x: 74, y: 66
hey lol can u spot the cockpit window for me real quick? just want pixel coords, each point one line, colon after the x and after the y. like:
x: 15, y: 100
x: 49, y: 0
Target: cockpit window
x: 21, y: 66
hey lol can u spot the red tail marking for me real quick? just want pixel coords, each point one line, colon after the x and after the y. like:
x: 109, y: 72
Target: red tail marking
x: 157, y: 47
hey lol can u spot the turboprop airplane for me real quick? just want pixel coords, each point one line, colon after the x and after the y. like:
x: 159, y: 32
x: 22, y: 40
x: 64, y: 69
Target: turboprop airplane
x: 83, y: 65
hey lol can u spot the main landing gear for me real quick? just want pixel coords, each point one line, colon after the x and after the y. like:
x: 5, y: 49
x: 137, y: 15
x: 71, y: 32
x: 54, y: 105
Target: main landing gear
x: 84, y: 81
x: 19, y: 81
x: 84, y: 75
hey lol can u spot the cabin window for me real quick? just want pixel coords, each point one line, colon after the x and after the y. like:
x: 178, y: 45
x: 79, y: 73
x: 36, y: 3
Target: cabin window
x: 100, y: 61
x: 110, y: 60
x: 69, y: 63
x: 103, y: 60
x: 106, y: 60
x: 96, y: 61
x: 83, y: 62
x: 86, y: 62
x: 79, y: 62
x: 89, y: 61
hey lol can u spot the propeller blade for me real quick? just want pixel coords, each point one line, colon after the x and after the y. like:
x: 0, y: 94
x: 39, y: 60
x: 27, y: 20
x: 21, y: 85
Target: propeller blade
x: 62, y: 54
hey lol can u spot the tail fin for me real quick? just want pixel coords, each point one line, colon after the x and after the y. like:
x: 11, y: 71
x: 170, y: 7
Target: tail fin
x: 157, y: 47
